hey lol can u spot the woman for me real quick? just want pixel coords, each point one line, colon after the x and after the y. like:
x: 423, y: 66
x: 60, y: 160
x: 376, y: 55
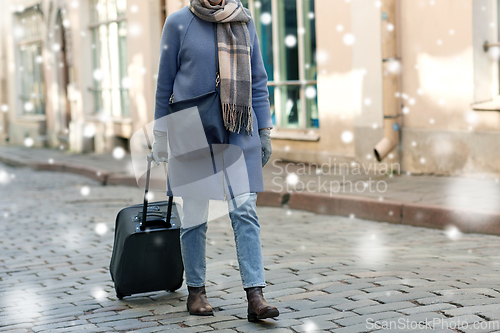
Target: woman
x: 187, y: 67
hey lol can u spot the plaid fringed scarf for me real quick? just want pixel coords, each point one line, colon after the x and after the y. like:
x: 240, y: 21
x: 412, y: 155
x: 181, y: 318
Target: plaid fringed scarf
x: 234, y: 59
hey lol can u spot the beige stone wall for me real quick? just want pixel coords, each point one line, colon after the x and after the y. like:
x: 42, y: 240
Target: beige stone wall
x: 334, y: 90
x: 348, y: 75
x: 144, y: 29
x: 444, y: 59
x: 438, y: 58
x: 444, y: 70
x: 175, y: 5
x: 143, y: 57
x: 144, y: 26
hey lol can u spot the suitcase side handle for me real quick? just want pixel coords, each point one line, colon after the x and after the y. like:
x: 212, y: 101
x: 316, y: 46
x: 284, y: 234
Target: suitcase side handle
x: 145, y: 203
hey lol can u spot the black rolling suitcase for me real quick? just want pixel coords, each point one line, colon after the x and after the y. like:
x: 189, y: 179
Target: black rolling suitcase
x: 146, y: 252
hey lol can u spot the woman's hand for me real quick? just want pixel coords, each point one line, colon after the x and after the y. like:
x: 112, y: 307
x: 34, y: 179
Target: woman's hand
x: 159, y: 147
x: 265, y: 140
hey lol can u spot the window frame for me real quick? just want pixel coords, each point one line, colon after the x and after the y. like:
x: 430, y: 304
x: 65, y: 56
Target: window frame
x: 482, y: 65
x: 37, y: 76
x: 302, y: 83
x: 96, y: 88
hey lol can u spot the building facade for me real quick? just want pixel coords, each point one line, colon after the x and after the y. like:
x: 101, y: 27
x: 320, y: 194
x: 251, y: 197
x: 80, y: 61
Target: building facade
x: 413, y: 80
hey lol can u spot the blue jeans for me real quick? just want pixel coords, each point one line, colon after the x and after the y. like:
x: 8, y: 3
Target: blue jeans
x: 245, y: 223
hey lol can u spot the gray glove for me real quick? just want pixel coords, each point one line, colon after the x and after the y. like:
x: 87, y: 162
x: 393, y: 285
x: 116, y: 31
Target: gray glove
x: 265, y: 140
x: 159, y: 149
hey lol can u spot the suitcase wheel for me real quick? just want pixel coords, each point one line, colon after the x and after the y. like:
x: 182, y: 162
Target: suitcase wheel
x: 119, y: 294
x: 176, y: 287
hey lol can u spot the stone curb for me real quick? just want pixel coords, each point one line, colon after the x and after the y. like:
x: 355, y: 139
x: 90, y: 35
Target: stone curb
x: 343, y: 205
x: 272, y: 199
x: 87, y: 171
x: 15, y: 162
x: 93, y: 173
x: 116, y: 179
x: 420, y: 215
x: 468, y: 221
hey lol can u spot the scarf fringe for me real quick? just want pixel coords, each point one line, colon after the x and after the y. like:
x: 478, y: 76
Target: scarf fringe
x: 237, y: 117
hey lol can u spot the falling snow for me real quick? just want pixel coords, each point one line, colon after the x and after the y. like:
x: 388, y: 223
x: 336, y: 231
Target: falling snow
x: 266, y: 18
x: 347, y: 136
x: 292, y: 179
x: 89, y: 131
x: 28, y: 142
x: 349, y: 39
x: 101, y: 229
x: 452, y: 232
x: 85, y: 191
x: 290, y: 41
x: 4, y: 177
x: 119, y: 153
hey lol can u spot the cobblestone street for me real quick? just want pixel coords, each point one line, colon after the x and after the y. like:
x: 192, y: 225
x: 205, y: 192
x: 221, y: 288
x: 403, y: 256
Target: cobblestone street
x: 324, y: 273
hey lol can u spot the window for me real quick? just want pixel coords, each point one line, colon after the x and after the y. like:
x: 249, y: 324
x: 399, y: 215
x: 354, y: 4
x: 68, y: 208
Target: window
x: 486, y: 86
x: 287, y: 35
x: 109, y: 57
x: 29, y: 45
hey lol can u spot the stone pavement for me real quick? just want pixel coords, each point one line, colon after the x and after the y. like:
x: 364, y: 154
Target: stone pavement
x: 471, y: 204
x: 325, y: 273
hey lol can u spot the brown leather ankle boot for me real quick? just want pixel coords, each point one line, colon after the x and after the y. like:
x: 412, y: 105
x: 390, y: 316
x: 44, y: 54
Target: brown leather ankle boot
x: 257, y: 305
x: 197, y: 303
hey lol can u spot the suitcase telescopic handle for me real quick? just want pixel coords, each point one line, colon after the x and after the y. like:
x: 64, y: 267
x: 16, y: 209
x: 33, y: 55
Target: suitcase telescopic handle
x: 145, y: 204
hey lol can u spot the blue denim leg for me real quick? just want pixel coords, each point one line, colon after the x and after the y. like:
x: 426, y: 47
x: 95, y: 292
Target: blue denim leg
x: 193, y: 248
x: 245, y: 223
x: 194, y: 240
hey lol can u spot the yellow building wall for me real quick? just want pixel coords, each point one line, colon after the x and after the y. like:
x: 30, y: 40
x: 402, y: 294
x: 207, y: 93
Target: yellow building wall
x: 438, y: 59
x: 335, y: 103
x: 445, y: 71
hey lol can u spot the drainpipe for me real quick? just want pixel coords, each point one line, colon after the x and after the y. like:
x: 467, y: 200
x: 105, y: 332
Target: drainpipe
x: 391, y: 81
x: 388, y: 143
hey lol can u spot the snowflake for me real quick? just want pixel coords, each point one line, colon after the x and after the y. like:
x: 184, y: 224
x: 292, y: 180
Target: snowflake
x: 89, y: 131
x: 290, y: 41
x: 349, y: 39
x: 292, y: 179
x: 98, y: 74
x: 101, y: 229
x: 99, y: 294
x: 28, y: 142
x: 265, y: 18
x: 4, y: 177
x: 310, y: 92
x: 347, y: 136
x: 118, y: 153
x: 85, y: 190
x: 453, y: 232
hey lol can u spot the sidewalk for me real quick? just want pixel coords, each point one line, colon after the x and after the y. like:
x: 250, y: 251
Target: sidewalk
x: 470, y: 204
